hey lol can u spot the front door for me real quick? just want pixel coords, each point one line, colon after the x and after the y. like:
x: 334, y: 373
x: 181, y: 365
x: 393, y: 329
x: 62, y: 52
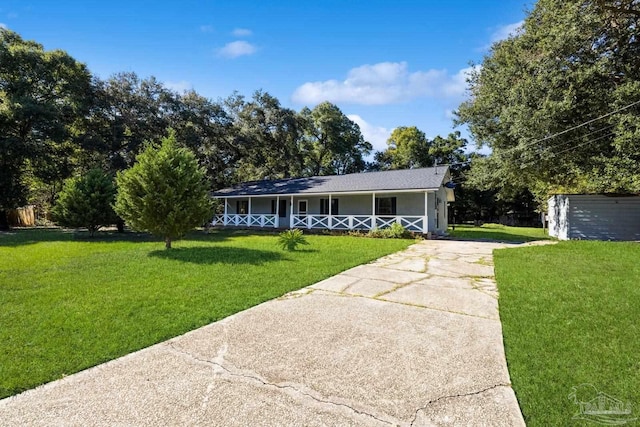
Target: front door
x: 282, y: 210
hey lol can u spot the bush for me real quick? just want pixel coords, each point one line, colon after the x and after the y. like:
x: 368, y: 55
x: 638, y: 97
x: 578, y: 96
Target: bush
x: 290, y: 239
x: 396, y: 231
x: 86, y: 202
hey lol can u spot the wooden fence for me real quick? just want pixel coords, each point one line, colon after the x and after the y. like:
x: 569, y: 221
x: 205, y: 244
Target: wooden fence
x: 22, y: 217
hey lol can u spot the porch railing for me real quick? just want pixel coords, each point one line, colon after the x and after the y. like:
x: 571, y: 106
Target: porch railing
x: 356, y: 222
x: 245, y: 220
x: 334, y: 222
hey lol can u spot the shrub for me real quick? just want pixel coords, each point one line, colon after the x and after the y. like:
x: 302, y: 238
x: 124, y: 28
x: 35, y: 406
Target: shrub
x: 86, y: 202
x: 290, y: 239
x: 396, y: 231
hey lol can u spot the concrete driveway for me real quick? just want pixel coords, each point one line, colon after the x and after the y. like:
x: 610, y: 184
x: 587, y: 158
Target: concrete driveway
x: 411, y: 339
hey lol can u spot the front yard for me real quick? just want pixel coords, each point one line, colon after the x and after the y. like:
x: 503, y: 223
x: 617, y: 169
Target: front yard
x: 570, y: 315
x: 71, y: 302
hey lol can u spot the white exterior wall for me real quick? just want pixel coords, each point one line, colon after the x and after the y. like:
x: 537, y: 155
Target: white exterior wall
x: 442, y: 208
x: 558, y: 208
x: 594, y: 217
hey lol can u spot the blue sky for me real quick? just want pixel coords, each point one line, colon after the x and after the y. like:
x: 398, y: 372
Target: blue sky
x: 384, y: 63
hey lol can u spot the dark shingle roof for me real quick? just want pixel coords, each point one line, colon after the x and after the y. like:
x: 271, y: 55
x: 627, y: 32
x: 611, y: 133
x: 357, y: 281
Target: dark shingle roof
x: 409, y: 179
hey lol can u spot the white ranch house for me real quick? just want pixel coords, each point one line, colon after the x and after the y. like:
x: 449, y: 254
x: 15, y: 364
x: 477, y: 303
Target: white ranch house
x: 415, y: 198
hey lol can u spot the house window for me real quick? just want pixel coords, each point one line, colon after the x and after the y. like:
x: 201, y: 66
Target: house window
x: 282, y: 212
x: 242, y: 207
x: 385, y: 205
x: 302, y: 207
x: 324, y: 207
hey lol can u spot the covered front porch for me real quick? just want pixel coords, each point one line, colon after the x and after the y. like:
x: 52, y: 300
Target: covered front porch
x: 421, y: 212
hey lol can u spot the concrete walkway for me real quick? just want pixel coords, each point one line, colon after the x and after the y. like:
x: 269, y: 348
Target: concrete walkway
x: 413, y: 338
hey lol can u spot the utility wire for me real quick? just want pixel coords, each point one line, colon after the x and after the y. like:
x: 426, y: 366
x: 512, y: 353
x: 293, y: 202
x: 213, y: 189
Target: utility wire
x: 548, y: 148
x: 570, y: 129
x: 524, y: 165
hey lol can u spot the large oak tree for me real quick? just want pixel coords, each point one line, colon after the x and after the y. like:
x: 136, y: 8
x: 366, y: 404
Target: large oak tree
x: 42, y: 94
x: 537, y: 100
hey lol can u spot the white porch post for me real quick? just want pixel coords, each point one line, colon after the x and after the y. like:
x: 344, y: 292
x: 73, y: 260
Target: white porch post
x: 425, y: 220
x: 276, y: 223
x: 373, y: 210
x: 330, y: 214
x: 224, y: 218
x: 291, y: 214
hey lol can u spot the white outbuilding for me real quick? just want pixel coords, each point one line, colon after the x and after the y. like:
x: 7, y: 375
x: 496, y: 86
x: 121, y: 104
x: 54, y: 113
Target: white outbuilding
x: 594, y: 217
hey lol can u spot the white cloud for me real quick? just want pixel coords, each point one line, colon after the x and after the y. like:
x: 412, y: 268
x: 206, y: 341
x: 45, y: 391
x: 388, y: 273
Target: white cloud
x: 180, y: 87
x: 206, y: 28
x: 505, y: 31
x: 242, y: 32
x: 376, y: 135
x: 236, y: 49
x: 2, y: 25
x: 456, y: 85
x: 383, y: 83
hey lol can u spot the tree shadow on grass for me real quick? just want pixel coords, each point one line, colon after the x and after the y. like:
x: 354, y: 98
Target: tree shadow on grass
x: 218, y: 255
x: 305, y: 251
x: 30, y: 236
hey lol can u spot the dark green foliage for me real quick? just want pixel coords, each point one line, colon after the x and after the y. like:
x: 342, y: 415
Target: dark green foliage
x: 126, y: 111
x: 332, y: 144
x: 42, y: 94
x: 165, y: 192
x: 410, y: 148
x: 86, y: 202
x: 290, y: 239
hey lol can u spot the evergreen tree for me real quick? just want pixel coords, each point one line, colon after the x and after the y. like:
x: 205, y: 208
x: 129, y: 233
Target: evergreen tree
x: 86, y: 202
x: 165, y: 192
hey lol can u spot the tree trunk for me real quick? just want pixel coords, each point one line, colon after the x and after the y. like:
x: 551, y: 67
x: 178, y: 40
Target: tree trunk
x: 167, y: 243
x: 120, y: 225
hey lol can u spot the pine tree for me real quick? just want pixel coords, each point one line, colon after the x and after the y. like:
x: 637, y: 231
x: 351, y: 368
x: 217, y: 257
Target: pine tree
x: 165, y: 192
x: 86, y: 202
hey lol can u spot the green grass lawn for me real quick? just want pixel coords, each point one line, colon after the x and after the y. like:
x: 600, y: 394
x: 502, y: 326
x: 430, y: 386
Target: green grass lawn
x: 571, y: 315
x: 70, y: 302
x: 498, y: 232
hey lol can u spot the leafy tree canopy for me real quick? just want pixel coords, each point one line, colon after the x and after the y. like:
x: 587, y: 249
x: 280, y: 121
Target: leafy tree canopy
x: 410, y: 148
x: 333, y: 144
x: 42, y: 94
x: 538, y: 98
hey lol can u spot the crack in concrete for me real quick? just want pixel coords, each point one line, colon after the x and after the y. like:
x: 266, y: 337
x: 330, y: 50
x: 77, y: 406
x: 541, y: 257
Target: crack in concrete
x: 217, y: 367
x: 455, y: 396
x: 484, y: 291
x: 426, y: 307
